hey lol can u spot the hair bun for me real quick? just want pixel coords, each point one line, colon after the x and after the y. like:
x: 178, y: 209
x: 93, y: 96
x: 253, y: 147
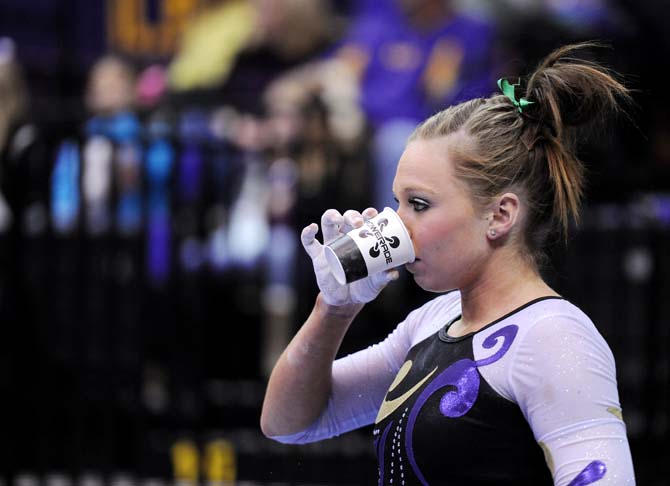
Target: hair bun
x: 571, y: 91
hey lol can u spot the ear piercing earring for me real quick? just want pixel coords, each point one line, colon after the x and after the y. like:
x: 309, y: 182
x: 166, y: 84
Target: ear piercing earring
x: 492, y: 232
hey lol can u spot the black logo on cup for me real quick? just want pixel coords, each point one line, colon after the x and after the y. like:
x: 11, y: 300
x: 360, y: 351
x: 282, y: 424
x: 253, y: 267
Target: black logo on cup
x: 383, y: 242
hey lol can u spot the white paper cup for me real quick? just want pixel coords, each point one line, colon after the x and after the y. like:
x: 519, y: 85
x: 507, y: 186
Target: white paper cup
x: 380, y: 244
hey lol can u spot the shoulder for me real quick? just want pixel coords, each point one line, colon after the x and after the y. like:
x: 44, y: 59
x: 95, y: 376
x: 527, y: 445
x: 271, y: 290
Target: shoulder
x: 559, y: 322
x: 538, y: 342
x: 544, y: 317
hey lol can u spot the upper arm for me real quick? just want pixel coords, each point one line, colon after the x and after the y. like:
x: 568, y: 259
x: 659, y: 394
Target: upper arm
x: 564, y: 379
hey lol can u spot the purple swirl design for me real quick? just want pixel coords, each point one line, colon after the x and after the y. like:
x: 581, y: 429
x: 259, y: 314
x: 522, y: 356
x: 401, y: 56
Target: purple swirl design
x: 508, y: 333
x: 590, y: 474
x: 455, y: 403
x: 464, y: 377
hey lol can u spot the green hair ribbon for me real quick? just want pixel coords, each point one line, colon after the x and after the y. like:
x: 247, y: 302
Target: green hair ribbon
x: 507, y: 89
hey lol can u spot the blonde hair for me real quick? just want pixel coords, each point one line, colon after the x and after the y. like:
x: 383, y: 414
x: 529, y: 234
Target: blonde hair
x: 532, y: 153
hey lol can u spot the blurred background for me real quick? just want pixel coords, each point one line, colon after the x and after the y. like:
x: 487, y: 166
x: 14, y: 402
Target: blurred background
x: 159, y: 158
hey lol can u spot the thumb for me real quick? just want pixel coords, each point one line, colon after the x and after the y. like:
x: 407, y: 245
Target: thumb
x: 309, y: 241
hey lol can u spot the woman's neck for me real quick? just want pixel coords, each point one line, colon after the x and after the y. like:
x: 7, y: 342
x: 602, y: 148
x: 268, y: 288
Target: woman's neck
x: 507, y: 282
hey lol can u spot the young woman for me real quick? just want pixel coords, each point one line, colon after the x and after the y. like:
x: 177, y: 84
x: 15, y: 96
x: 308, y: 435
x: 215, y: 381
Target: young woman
x: 498, y: 380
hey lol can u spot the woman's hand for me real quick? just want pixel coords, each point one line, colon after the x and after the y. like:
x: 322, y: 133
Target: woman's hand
x: 334, y: 225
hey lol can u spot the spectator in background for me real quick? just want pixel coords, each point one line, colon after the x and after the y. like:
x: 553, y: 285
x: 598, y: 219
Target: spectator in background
x: 18, y: 137
x: 112, y: 150
x: 412, y: 59
x: 406, y: 61
x: 15, y: 136
x: 12, y: 91
x: 417, y: 56
x: 210, y: 44
x: 242, y: 45
x: 24, y: 174
x: 111, y: 86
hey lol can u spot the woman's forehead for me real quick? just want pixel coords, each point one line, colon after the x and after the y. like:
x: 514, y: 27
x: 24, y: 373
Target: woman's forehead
x: 427, y: 165
x: 426, y: 159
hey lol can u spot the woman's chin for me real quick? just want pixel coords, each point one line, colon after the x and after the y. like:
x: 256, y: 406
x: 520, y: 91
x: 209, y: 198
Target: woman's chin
x: 423, y: 280
x: 420, y: 279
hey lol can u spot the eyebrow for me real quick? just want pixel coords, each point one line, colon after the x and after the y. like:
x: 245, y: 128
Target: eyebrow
x: 414, y: 189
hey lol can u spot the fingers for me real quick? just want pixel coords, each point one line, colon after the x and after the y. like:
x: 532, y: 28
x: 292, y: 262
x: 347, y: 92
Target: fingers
x: 352, y: 219
x: 334, y: 224
x: 370, y: 213
x: 331, y: 222
x: 309, y: 241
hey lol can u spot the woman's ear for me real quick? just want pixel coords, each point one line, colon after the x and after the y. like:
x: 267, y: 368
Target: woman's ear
x: 504, y: 215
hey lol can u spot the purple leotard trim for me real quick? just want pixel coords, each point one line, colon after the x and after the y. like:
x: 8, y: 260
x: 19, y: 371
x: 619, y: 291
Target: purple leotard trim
x: 379, y: 445
x: 590, y: 474
x: 463, y: 375
x: 508, y: 333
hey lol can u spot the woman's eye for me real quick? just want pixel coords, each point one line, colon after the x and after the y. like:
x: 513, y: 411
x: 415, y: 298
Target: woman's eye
x: 418, y: 205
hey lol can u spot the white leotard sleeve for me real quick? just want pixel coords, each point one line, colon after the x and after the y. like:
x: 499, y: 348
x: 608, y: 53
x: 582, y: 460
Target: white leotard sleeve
x: 361, y: 380
x: 562, y: 375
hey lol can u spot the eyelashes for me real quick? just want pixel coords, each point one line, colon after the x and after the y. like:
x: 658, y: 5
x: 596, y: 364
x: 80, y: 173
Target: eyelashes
x: 418, y: 204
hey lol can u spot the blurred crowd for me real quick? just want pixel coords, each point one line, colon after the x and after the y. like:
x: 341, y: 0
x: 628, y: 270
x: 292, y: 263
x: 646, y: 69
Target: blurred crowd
x: 159, y: 158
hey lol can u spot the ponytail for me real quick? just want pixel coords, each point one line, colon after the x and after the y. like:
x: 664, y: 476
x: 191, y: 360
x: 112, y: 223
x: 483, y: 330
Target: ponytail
x: 569, y: 94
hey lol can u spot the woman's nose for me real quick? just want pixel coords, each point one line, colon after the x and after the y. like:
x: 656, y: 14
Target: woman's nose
x: 405, y: 220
